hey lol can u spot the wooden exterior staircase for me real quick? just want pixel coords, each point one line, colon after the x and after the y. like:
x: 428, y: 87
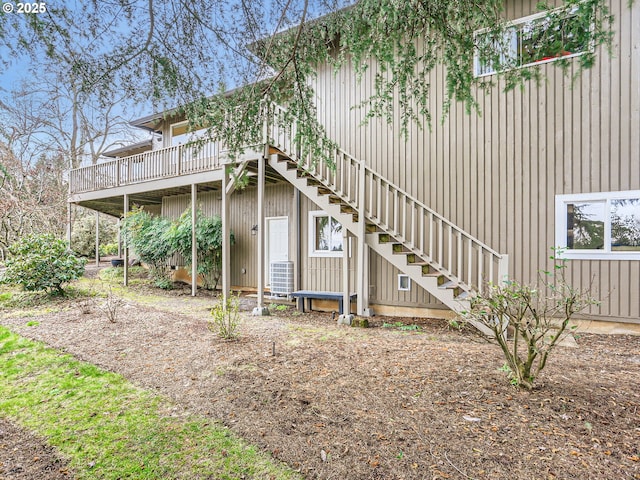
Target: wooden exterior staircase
x: 443, y: 259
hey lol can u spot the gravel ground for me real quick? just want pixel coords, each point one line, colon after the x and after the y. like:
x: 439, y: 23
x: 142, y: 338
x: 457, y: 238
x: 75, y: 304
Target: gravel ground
x: 347, y: 403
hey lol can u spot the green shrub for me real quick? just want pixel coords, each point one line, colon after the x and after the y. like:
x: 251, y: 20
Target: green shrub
x: 42, y: 262
x: 147, y: 236
x: 209, y: 244
x: 226, y: 317
x: 108, y: 249
x: 155, y: 239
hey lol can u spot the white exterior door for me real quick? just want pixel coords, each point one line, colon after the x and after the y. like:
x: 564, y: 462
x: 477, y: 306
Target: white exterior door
x: 277, y: 247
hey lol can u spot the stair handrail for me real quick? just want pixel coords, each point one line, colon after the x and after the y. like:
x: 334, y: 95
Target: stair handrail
x: 344, y: 160
x: 449, y: 223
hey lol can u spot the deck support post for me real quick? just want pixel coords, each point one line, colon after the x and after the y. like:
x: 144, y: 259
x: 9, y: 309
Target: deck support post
x: 298, y: 255
x: 226, y: 236
x: 125, y: 265
x: 97, y: 238
x: 119, y: 238
x: 69, y: 217
x: 194, y: 243
x: 346, y: 318
x: 260, y: 309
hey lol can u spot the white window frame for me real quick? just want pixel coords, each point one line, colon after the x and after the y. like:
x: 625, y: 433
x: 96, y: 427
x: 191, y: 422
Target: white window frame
x: 188, y: 136
x: 407, y: 279
x: 477, y: 64
x: 561, y: 203
x: 312, y: 236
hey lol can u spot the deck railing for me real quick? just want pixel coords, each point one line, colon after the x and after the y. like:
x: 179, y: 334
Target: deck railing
x: 459, y: 255
x: 152, y: 165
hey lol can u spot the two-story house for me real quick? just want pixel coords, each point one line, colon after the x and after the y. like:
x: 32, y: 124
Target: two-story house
x: 412, y: 224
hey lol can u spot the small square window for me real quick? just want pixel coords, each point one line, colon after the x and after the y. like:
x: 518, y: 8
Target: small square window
x: 404, y: 283
x: 325, y: 235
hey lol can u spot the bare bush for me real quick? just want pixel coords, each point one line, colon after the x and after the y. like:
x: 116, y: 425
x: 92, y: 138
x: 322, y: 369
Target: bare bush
x: 528, y: 321
x: 112, y: 305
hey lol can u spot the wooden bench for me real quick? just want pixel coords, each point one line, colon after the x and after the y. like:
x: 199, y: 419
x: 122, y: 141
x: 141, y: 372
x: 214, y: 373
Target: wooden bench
x: 310, y: 295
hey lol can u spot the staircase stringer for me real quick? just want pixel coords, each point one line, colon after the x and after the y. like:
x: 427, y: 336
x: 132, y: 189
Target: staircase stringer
x: 311, y: 192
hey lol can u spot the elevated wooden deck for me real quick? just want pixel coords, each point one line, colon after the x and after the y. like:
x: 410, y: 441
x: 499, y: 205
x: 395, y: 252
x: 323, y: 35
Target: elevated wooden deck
x: 151, y: 175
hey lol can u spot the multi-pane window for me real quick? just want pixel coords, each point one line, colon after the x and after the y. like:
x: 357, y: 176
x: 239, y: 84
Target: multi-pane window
x: 538, y: 38
x: 325, y: 235
x: 599, y: 225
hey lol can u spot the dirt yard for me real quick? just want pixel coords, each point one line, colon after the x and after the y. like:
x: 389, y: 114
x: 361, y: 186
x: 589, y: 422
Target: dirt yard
x: 338, y: 402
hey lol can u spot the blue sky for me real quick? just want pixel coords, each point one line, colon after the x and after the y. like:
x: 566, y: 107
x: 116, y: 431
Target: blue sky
x: 28, y: 69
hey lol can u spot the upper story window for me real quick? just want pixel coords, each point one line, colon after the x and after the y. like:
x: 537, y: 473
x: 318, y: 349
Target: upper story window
x: 599, y: 225
x: 181, y: 133
x: 538, y: 38
x: 325, y: 235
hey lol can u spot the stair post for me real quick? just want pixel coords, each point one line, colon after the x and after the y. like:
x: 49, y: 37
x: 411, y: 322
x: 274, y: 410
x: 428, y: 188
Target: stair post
x: 503, y: 277
x: 346, y: 318
x: 362, y: 287
x: 503, y: 269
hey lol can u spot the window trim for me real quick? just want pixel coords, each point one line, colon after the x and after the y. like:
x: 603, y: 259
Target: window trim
x: 515, y: 23
x: 184, y: 125
x: 312, y: 236
x: 402, y: 276
x: 561, y: 202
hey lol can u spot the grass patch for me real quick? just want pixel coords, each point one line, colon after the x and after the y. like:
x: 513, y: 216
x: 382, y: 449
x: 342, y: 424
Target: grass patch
x: 402, y: 327
x: 14, y: 298
x: 17, y: 303
x: 110, y: 429
x: 113, y: 274
x: 5, y: 297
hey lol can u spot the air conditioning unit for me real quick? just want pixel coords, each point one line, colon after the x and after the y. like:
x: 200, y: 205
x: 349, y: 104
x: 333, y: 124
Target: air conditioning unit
x: 281, y: 278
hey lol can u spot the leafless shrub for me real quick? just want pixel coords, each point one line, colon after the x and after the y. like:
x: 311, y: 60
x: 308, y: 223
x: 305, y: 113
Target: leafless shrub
x: 112, y: 305
x: 529, y: 321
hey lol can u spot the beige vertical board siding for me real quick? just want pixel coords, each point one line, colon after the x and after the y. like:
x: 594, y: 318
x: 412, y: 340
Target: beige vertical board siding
x: 496, y: 175
x: 322, y: 273
x: 279, y: 201
x: 495, y: 205
x: 634, y: 128
x: 526, y: 232
x: 625, y: 104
